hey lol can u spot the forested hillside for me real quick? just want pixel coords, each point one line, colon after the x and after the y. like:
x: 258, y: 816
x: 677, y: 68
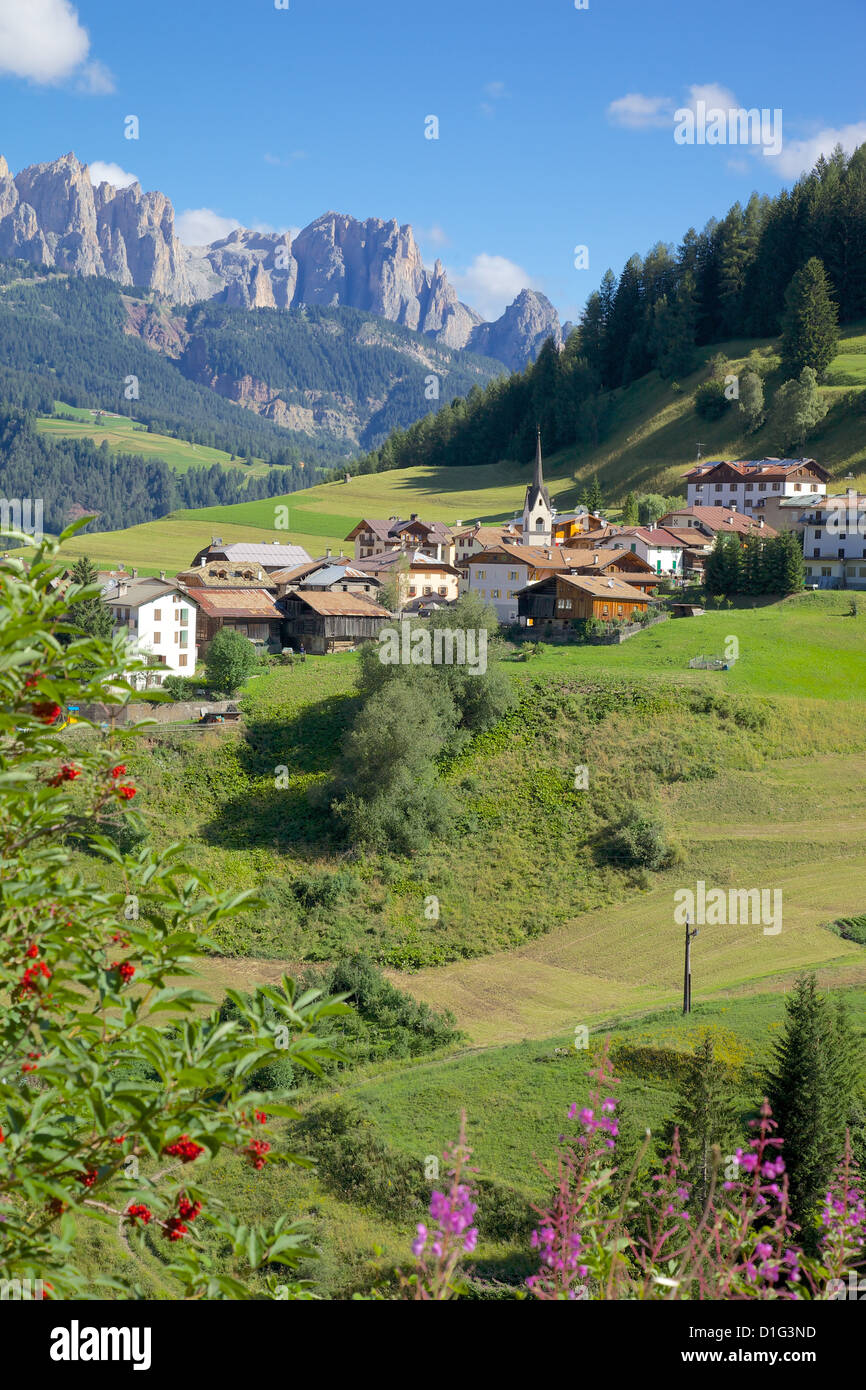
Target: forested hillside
x: 770, y: 267
x: 122, y: 489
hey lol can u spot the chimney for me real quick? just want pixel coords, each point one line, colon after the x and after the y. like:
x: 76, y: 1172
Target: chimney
x: 161, y: 575
x: 414, y: 516
x: 274, y: 542
x: 342, y: 556
x: 135, y: 574
x: 328, y: 553
x: 760, y: 523
x: 202, y: 562
x: 121, y: 589
x: 595, y: 559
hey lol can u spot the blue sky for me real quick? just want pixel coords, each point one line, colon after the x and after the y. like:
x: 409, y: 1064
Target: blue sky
x: 555, y: 124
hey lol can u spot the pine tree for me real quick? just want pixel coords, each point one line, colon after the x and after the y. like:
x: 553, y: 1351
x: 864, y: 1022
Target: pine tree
x: 594, y: 498
x: 629, y: 510
x: 705, y: 1115
x: 811, y: 1088
x: 92, y: 615
x: 810, y: 332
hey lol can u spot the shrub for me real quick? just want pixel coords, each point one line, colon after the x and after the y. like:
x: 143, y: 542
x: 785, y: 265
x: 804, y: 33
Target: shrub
x: 110, y: 1082
x: 710, y: 400
x: 639, y: 841
x: 230, y: 661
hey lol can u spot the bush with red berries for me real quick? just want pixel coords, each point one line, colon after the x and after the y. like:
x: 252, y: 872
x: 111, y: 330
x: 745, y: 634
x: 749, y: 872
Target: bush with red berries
x: 73, y: 1013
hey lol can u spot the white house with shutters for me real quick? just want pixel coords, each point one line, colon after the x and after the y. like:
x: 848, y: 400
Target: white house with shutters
x: 744, y: 485
x: 160, y: 621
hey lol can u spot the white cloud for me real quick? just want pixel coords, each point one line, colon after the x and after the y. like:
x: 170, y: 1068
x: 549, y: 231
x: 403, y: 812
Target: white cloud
x: 96, y: 79
x: 490, y: 284
x: 433, y: 236
x: 44, y: 42
x: 638, y: 112
x: 798, y: 156
x: 201, y: 226
x: 284, y: 161
x: 100, y: 172
x: 713, y: 95
x: 494, y: 92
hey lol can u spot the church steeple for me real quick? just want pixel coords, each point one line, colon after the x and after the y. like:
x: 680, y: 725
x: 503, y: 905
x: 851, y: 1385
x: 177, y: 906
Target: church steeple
x: 537, y: 509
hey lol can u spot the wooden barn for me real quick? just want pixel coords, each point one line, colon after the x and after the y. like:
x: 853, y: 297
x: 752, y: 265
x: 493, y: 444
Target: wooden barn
x: 556, y: 602
x: 330, y: 620
x: 251, y: 612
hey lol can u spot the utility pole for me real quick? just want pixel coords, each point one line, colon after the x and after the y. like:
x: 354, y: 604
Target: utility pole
x: 699, y: 447
x: 687, y: 973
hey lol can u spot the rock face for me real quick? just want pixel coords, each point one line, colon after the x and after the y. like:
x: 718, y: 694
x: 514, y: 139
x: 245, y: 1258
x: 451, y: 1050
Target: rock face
x: 52, y: 215
x: 519, y: 335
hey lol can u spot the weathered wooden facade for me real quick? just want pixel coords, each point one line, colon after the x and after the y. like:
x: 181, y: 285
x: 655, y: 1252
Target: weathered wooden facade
x: 251, y: 612
x: 330, y: 621
x: 557, y: 602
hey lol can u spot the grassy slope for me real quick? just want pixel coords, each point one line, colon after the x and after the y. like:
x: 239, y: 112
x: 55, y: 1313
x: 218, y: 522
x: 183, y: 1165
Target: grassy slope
x: 651, y: 442
x: 125, y: 436
x: 785, y: 807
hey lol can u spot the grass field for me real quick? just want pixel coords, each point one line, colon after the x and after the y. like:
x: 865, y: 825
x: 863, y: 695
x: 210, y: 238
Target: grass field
x: 126, y: 436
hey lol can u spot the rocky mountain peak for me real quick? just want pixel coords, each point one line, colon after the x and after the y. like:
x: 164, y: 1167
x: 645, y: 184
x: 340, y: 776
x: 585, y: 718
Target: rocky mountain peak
x: 51, y: 214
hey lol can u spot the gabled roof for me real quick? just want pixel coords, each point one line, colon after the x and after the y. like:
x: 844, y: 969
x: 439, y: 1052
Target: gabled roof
x: 338, y: 604
x: 235, y: 603
x: 534, y: 556
x: 393, y: 528
x: 395, y: 559
x: 772, y: 469
x: 599, y: 586
x: 613, y: 557
x: 334, y: 574
x: 722, y: 519
x: 657, y: 536
x: 274, y: 556
x: 141, y: 591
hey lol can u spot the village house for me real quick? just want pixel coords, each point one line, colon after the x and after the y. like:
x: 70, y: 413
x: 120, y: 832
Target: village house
x: 568, y: 527
x: 469, y: 540
x: 712, y: 520
x: 742, y: 485
x: 660, y: 548
x: 626, y: 565
x: 249, y: 611
x: 786, y: 513
x: 497, y: 575
x: 241, y: 559
x: 834, y: 542
x: 414, y: 573
x: 557, y: 602
x: 329, y: 616
x: 161, y: 623
x: 431, y: 538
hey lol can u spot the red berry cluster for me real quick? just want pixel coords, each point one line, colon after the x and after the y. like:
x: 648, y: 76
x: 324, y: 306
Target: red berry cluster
x: 32, y: 951
x: 119, y: 771
x: 32, y: 1064
x: 88, y: 1179
x: 187, y: 1210
x: 255, y: 1151
x: 33, y: 680
x: 126, y: 793
x: 56, y: 1206
x: 175, y: 1228
x: 261, y: 1117
x: 46, y: 710
x: 124, y: 969
x: 67, y: 773
x: 27, y: 983
x: 184, y: 1148
x: 138, y: 1211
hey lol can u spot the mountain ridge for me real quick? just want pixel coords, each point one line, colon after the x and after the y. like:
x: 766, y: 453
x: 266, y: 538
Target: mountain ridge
x: 52, y: 215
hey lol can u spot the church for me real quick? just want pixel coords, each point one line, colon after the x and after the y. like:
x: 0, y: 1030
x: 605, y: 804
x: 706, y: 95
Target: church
x: 537, y: 510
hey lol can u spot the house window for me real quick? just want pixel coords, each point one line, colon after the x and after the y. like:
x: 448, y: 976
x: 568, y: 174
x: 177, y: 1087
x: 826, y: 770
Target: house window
x: 776, y: 487
x: 184, y: 639
x: 604, y: 612
x: 495, y: 593
x: 825, y: 570
x: 412, y: 592
x: 718, y: 487
x: 512, y: 574
x: 816, y: 552
x: 443, y: 589
x: 427, y: 589
x: 749, y: 487
x: 157, y: 615
x: 181, y: 661
x: 176, y: 638
x: 808, y: 570
x: 762, y: 487
x: 156, y: 639
x: 183, y: 614
x: 619, y: 610
x: 481, y: 574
